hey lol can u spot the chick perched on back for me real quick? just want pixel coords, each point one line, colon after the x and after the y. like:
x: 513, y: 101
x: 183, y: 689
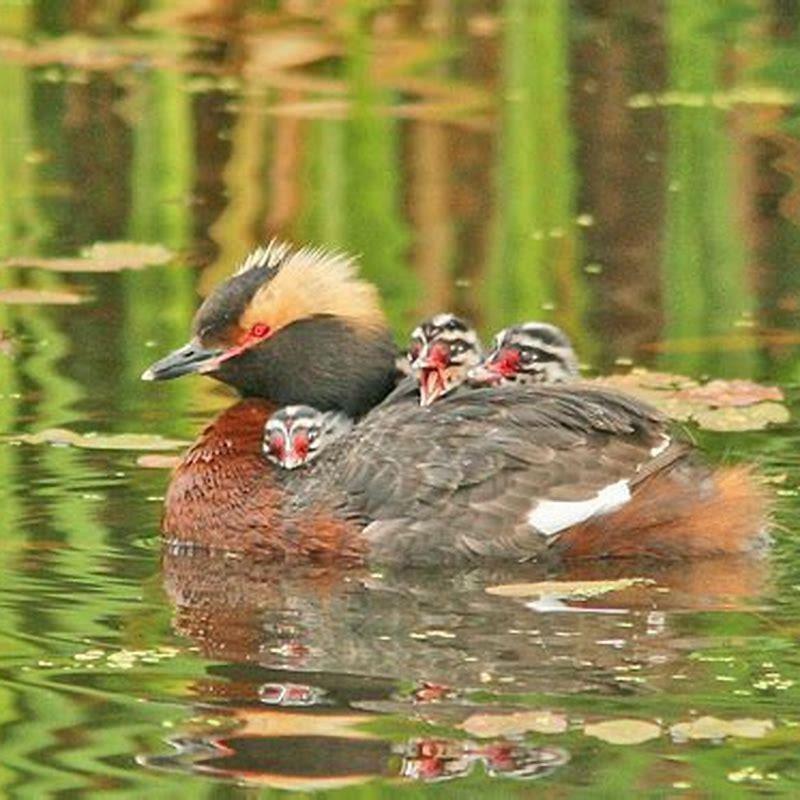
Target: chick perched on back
x: 445, y: 352
x: 296, y: 435
x: 532, y: 352
x: 442, y: 351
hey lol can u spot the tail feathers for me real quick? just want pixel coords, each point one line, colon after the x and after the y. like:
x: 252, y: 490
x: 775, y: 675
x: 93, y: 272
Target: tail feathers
x: 677, y: 515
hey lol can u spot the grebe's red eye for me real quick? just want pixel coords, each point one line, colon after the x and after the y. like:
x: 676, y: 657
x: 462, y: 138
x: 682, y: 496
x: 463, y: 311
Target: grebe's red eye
x: 259, y: 331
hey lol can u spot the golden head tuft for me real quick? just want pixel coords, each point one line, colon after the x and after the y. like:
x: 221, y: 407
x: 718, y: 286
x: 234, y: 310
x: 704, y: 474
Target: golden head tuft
x: 310, y: 282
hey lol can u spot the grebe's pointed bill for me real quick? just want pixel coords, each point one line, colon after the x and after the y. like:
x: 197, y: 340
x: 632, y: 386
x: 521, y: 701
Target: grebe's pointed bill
x: 192, y: 357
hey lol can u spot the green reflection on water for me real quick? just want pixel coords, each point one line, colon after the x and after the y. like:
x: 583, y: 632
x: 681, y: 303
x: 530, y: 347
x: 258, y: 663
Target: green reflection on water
x: 535, y: 255
x: 706, y: 277
x: 136, y: 151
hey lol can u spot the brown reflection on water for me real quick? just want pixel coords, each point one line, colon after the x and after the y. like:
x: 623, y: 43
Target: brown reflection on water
x: 621, y: 153
x: 312, y: 753
x: 446, y: 628
x: 309, y: 657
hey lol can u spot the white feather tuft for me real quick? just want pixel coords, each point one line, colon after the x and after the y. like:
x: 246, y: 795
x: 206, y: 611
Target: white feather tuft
x: 271, y: 256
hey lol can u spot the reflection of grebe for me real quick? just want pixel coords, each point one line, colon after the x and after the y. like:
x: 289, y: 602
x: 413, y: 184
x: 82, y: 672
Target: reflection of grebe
x: 308, y: 753
x: 317, y: 620
x: 290, y: 694
x: 510, y: 471
x: 293, y: 756
x: 354, y: 629
x: 445, y: 759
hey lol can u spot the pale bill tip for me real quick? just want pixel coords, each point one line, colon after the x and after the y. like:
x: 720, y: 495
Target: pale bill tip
x: 148, y: 375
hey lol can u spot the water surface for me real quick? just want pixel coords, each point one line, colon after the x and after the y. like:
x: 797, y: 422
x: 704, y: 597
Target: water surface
x: 625, y: 170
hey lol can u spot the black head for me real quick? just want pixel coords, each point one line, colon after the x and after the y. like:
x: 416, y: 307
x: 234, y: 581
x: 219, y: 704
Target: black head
x: 293, y: 326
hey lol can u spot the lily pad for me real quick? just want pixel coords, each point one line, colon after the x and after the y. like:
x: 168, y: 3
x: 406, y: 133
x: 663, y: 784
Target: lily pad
x: 494, y: 725
x: 623, y: 731
x: 96, y: 441
x: 576, y: 590
x: 731, y: 394
x: 736, y: 405
x: 8, y: 345
x: 41, y: 297
x: 158, y: 461
x: 713, y: 729
x: 101, y: 257
x: 82, y: 52
x: 755, y: 417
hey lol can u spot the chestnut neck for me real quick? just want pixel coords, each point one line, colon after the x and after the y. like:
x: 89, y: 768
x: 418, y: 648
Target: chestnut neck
x: 237, y: 431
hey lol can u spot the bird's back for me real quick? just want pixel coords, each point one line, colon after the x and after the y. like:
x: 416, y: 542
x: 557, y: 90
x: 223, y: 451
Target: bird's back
x: 496, y: 472
x: 505, y: 472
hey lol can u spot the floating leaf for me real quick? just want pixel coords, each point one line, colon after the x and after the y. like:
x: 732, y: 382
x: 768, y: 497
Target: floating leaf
x: 736, y: 405
x: 8, y: 345
x: 711, y: 728
x: 94, y: 441
x: 742, y: 95
x: 623, y: 731
x: 277, y: 50
x: 731, y: 394
x: 94, y: 53
x: 101, y: 257
x: 639, y: 378
x: 158, y: 461
x: 44, y: 297
x: 494, y: 725
x: 751, y: 418
x: 577, y: 590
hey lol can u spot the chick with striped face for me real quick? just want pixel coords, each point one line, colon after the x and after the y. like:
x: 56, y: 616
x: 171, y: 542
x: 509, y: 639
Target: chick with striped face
x: 443, y: 350
x: 533, y: 352
x: 296, y: 435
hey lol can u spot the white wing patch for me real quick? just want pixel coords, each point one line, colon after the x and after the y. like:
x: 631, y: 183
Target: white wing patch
x: 660, y: 448
x: 553, y: 516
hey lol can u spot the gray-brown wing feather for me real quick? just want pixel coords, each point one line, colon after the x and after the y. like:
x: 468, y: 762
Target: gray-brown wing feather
x: 460, y: 477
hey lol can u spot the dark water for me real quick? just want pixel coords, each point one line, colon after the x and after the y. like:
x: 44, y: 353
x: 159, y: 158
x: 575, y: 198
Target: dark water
x: 627, y: 170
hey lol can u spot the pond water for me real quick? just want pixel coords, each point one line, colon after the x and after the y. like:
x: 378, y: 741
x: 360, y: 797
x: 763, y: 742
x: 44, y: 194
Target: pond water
x: 626, y: 170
